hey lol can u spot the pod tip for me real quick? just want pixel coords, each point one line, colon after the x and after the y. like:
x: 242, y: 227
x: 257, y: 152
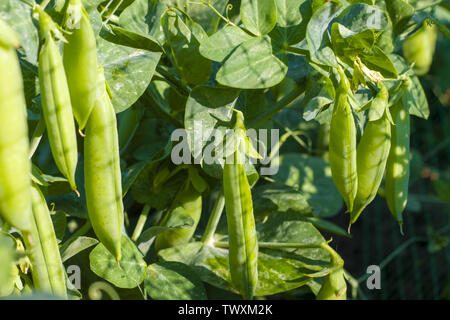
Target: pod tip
x: 401, y: 228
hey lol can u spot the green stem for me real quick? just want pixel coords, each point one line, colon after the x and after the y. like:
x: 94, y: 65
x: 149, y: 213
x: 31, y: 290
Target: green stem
x: 172, y: 81
x: 214, y: 218
x: 80, y: 232
x: 44, y: 4
x: 141, y: 222
x: 279, y: 106
x: 394, y: 254
x: 37, y: 136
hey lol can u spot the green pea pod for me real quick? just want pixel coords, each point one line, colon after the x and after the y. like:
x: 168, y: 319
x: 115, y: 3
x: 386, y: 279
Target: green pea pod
x: 419, y: 49
x: 102, y: 171
x: 56, y: 105
x: 372, y: 154
x: 80, y: 61
x: 15, y: 167
x: 190, y: 200
x: 334, y: 286
x: 397, y: 166
x: 242, y: 239
x: 8, y: 37
x: 48, y: 270
x: 342, y: 145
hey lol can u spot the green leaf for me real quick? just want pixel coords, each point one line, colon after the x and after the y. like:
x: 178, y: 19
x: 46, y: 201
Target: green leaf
x: 400, y: 12
x: 130, y: 39
x: 184, y: 48
x: 317, y: 35
x: 272, y: 197
x: 73, y: 248
x: 378, y: 60
x: 203, y: 15
x: 289, y: 12
x: 252, y: 66
x: 19, y: 16
x: 278, y: 271
x: 259, y: 16
x: 132, y: 267
x: 416, y: 99
x: 360, y: 17
x: 173, y: 281
x: 128, y: 71
x: 206, y: 113
x: 219, y: 45
x: 312, y: 176
x: 142, y: 17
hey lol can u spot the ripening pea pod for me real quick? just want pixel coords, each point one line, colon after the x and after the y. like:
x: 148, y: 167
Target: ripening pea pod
x: 419, y: 49
x: 397, y: 166
x: 47, y: 267
x: 372, y: 153
x: 334, y: 286
x: 189, y: 198
x: 15, y: 167
x: 342, y: 145
x: 102, y: 171
x: 242, y: 238
x: 56, y: 105
x: 80, y: 61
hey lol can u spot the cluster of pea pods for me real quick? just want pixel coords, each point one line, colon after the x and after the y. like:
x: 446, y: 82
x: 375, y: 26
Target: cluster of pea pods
x: 72, y: 87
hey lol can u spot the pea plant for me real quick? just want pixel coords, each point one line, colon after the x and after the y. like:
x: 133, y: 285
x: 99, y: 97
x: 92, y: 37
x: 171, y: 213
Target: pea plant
x: 175, y: 149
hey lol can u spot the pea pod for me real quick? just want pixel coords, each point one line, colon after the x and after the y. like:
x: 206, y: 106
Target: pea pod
x: 190, y: 200
x: 80, y: 61
x: 102, y: 171
x: 397, y: 166
x: 372, y: 154
x: 15, y: 167
x: 242, y: 239
x: 419, y: 49
x: 334, y: 286
x: 342, y: 145
x: 56, y: 105
x: 48, y: 270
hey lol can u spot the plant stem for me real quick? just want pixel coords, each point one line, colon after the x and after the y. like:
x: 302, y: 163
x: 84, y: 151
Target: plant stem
x: 214, y: 218
x: 44, y: 4
x: 37, y: 136
x: 141, y: 222
x: 279, y: 106
x: 395, y: 253
x: 80, y: 232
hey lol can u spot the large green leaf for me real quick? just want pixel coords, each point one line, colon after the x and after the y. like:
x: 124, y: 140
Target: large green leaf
x: 142, y: 17
x: 259, y: 16
x: 252, y: 66
x: 312, y: 176
x: 129, y: 274
x: 128, y: 71
x: 317, y: 36
x: 278, y: 271
x: 207, y: 114
x: 173, y: 281
x: 219, y: 45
